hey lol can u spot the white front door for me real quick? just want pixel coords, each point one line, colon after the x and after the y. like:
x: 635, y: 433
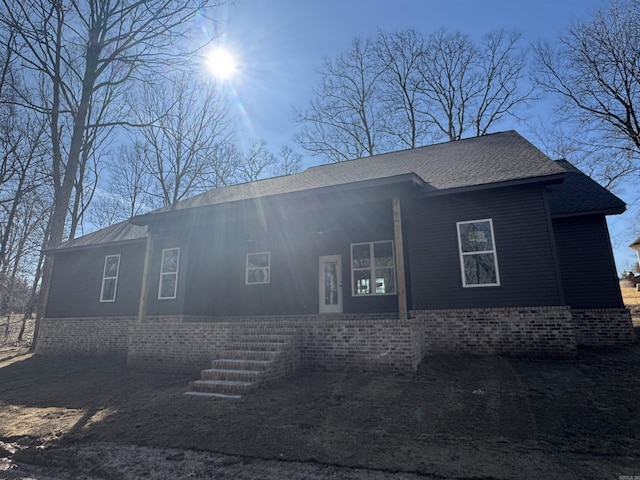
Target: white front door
x: 330, y: 283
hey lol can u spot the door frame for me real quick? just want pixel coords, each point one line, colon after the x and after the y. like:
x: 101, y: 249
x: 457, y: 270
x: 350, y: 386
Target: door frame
x: 322, y: 307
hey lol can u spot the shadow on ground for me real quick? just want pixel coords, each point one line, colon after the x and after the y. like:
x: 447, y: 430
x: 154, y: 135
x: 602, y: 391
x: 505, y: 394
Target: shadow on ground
x: 457, y: 417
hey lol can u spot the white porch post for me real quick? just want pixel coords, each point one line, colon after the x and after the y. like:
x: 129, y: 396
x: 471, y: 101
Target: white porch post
x: 399, y: 260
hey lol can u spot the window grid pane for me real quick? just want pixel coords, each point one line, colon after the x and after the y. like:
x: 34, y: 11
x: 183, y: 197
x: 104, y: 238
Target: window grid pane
x: 258, y: 268
x: 478, y: 254
x: 168, y: 287
x: 110, y: 278
x: 373, y: 268
x: 476, y: 237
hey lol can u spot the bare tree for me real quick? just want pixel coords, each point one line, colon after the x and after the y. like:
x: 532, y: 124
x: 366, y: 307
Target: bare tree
x: 403, y: 90
x: 594, y: 69
x: 255, y: 164
x: 76, y: 50
x: 128, y: 189
x: 343, y: 120
x: 468, y: 87
x: 287, y: 162
x: 400, y: 55
x: 186, y: 126
x: 22, y: 186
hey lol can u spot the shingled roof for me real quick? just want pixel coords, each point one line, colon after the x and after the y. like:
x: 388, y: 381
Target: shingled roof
x: 118, y: 233
x: 494, y: 158
x: 471, y: 163
x: 579, y: 194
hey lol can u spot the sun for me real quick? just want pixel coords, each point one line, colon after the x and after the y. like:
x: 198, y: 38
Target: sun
x: 222, y: 63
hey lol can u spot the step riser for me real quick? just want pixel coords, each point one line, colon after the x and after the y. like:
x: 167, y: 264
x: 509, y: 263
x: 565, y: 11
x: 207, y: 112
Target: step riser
x: 251, y: 355
x: 258, y: 355
x: 260, y: 347
x: 238, y: 375
x: 240, y: 364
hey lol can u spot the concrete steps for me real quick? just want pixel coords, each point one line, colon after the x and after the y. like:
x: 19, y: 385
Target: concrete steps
x: 257, y: 356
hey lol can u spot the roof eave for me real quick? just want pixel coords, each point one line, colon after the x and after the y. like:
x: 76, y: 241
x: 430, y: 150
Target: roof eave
x: 546, y: 179
x: 411, y: 179
x: 602, y: 211
x: 60, y: 248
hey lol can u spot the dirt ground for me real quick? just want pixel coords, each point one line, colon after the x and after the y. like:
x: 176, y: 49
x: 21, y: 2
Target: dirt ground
x: 458, y: 417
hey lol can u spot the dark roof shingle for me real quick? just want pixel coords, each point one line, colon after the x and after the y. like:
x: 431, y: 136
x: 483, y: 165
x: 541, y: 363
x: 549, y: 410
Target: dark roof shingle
x: 475, y: 161
x: 486, y: 160
x: 578, y: 193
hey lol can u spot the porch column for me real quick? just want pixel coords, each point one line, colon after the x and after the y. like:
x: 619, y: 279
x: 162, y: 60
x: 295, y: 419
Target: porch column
x: 399, y: 259
x: 142, y: 307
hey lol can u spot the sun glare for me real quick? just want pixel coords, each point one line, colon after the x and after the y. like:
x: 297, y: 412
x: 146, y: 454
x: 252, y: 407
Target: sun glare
x: 222, y: 63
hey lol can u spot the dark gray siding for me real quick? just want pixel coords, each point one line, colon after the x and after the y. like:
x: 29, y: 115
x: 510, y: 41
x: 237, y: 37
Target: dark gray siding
x: 214, y: 249
x: 175, y: 237
x: 523, y: 242
x: 586, y: 262
x: 77, y: 280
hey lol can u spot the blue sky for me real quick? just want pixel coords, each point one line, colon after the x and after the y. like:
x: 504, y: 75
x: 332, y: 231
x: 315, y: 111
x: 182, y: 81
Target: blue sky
x: 280, y: 44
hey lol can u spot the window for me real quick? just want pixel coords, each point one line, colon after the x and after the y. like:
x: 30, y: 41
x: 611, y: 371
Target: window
x: 169, y: 273
x: 258, y: 266
x: 373, y: 268
x: 478, y: 259
x: 110, y: 278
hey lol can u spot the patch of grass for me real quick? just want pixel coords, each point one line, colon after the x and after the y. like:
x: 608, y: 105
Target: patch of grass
x: 630, y: 296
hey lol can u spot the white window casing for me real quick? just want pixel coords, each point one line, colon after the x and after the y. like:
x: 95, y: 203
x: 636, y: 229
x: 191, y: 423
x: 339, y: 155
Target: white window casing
x: 258, y: 268
x: 478, y: 257
x: 373, y: 270
x: 110, y: 278
x: 168, y: 285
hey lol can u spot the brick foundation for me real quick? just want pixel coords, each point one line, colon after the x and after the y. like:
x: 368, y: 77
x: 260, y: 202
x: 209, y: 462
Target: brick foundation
x: 361, y: 341
x: 331, y: 342
x: 604, y: 327
x: 85, y: 336
x: 540, y: 331
x: 177, y: 343
x: 335, y: 342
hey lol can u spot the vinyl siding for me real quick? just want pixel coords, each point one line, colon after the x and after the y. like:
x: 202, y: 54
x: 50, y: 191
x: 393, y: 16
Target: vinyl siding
x: 586, y: 262
x: 523, y: 242
x: 77, y: 280
x: 215, y: 284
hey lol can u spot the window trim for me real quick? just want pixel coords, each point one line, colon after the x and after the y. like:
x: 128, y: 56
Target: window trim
x: 104, y: 278
x: 166, y: 274
x: 372, y: 268
x: 267, y: 268
x: 493, y: 251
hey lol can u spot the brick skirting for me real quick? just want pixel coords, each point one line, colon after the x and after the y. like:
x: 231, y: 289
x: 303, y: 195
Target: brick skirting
x: 538, y: 331
x: 604, y: 327
x: 85, y: 336
x: 327, y: 341
x: 366, y: 341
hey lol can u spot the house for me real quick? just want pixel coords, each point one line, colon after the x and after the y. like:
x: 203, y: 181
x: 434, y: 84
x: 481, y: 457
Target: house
x: 480, y: 246
x: 636, y: 246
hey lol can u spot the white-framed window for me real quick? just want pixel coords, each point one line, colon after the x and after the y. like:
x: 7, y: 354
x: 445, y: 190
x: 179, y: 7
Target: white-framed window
x: 373, y: 269
x: 110, y: 278
x: 168, y: 287
x: 258, y: 268
x: 478, y: 259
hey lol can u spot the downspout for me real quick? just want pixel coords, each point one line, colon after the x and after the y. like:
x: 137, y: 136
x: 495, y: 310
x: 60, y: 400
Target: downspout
x: 399, y: 260
x: 142, y: 307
